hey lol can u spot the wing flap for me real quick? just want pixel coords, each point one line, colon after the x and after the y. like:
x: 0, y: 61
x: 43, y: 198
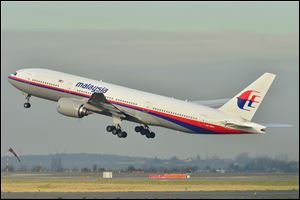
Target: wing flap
x: 99, y: 103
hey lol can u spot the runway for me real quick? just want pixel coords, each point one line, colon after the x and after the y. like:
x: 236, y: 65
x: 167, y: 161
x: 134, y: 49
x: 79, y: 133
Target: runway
x: 138, y: 186
x: 157, y: 195
x: 142, y: 176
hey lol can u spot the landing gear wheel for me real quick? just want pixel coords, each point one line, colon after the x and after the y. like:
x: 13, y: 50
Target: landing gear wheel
x: 143, y: 131
x: 116, y: 128
x: 109, y: 128
x: 27, y: 105
x: 138, y: 128
x: 120, y: 134
x: 152, y: 135
x: 147, y: 133
x: 124, y: 134
x: 114, y: 131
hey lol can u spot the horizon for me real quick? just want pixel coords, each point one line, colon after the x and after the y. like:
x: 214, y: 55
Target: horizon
x: 275, y: 157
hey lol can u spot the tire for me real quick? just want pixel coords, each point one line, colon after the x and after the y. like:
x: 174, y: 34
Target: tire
x: 109, y: 128
x: 27, y: 105
x: 124, y: 134
x: 120, y: 134
x: 143, y: 131
x: 138, y: 128
x: 148, y: 135
x: 152, y: 135
x: 114, y: 131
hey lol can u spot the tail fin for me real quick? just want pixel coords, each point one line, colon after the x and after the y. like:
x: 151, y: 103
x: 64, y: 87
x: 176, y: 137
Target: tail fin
x: 246, y: 103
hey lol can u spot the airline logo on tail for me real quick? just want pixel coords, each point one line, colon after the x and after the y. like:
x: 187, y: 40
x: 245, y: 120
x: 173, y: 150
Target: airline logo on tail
x: 247, y: 96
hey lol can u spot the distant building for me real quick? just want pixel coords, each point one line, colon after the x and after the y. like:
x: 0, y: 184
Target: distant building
x: 107, y: 174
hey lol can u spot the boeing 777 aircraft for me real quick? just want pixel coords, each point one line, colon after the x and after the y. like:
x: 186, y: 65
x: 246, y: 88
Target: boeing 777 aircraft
x: 78, y: 97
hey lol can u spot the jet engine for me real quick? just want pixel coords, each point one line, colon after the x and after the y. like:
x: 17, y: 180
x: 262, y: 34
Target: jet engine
x: 71, y: 108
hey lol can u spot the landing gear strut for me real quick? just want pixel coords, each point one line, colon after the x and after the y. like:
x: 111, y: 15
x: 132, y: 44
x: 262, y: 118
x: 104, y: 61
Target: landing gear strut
x: 144, y: 130
x: 27, y: 104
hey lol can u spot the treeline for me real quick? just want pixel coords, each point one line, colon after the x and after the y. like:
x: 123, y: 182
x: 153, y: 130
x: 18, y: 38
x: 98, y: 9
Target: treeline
x: 265, y: 164
x: 87, y: 163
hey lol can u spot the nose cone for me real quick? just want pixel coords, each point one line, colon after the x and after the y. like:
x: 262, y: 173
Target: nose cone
x: 11, y: 78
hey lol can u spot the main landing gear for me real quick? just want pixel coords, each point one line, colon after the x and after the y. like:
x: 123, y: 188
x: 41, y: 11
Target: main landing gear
x: 144, y: 130
x: 27, y: 104
x: 116, y: 130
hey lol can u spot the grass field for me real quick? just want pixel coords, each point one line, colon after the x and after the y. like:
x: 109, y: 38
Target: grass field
x: 142, y: 185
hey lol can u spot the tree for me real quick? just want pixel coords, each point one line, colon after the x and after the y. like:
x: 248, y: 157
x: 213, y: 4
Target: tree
x: 174, y: 160
x: 243, y: 159
x: 130, y: 168
x: 95, y: 167
x: 85, y: 169
x: 23, y: 168
x: 198, y: 158
x: 9, y: 168
x: 37, y: 168
x: 56, y: 164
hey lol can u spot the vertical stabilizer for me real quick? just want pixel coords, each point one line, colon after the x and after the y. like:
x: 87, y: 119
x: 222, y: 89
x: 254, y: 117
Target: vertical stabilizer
x: 246, y: 103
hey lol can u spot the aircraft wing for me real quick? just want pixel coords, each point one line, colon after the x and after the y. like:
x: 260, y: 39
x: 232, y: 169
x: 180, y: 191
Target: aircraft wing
x: 98, y: 103
x: 214, y: 103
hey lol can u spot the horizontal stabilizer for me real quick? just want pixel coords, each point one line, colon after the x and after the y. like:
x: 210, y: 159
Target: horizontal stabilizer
x: 214, y: 103
x: 238, y: 125
x: 277, y: 125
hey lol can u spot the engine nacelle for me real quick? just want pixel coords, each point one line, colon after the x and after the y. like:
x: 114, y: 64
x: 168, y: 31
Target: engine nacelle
x: 71, y: 108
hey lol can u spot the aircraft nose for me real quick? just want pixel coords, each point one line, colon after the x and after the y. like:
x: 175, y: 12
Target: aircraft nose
x: 10, y: 78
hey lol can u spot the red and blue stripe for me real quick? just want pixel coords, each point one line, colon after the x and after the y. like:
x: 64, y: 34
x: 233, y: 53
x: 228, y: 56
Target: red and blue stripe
x: 194, y: 125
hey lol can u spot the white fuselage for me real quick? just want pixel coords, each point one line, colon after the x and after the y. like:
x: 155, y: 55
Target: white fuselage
x: 150, y: 109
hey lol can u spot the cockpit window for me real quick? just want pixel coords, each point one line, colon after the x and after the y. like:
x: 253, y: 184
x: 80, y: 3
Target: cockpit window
x: 15, y: 73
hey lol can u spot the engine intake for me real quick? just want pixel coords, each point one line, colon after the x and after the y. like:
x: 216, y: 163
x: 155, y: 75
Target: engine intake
x: 71, y: 108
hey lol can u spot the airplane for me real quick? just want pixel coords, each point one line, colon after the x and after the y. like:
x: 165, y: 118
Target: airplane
x: 79, y: 97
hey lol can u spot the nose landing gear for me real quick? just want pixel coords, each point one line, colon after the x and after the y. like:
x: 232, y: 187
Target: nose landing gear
x: 27, y: 104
